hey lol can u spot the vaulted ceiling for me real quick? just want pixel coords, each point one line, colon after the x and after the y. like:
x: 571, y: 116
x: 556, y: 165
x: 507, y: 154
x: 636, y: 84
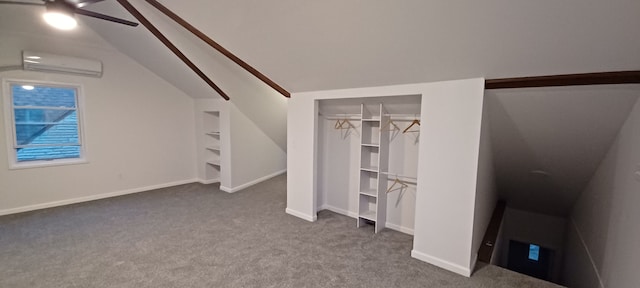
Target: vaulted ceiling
x: 308, y: 45
x: 313, y: 45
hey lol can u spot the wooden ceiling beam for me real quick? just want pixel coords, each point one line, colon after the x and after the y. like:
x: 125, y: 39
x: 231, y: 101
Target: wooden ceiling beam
x: 173, y: 48
x: 166, y: 11
x: 602, y: 78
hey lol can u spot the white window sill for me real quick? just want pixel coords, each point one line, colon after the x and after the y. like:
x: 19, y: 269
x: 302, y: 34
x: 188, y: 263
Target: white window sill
x: 49, y: 163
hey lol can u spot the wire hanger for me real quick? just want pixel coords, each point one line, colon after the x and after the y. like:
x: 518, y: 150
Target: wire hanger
x: 390, y: 126
x: 348, y: 124
x: 398, y: 182
x: 415, y: 121
x: 338, y: 124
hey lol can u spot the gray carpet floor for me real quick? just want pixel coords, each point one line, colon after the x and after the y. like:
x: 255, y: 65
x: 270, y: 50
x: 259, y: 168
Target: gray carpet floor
x: 197, y: 236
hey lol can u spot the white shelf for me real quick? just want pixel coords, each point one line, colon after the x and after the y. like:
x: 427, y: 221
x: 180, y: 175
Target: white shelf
x: 210, y: 146
x: 369, y: 192
x: 369, y: 215
x: 373, y: 157
x: 370, y: 169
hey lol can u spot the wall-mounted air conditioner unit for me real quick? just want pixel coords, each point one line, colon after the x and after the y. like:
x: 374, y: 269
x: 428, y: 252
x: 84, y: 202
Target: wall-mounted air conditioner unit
x: 45, y: 62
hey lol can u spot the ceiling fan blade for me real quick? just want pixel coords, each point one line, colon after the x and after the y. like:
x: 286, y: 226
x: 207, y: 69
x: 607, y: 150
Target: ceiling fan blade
x: 105, y: 17
x: 82, y: 3
x: 22, y: 3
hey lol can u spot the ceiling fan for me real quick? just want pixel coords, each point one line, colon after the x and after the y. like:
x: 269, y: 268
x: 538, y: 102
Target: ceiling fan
x: 59, y: 13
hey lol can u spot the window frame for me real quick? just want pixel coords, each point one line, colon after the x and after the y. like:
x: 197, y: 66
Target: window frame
x: 10, y: 125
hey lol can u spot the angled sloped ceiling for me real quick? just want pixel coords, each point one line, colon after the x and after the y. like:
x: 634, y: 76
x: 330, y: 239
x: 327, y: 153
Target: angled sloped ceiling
x: 306, y: 45
x: 548, y: 142
x: 263, y: 105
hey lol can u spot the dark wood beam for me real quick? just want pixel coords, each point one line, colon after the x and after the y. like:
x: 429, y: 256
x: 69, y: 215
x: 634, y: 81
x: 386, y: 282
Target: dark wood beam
x: 218, y: 47
x: 173, y: 48
x: 490, y: 236
x: 603, y: 78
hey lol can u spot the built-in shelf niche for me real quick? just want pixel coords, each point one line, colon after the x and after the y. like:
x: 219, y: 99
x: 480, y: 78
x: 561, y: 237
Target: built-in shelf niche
x: 211, y: 143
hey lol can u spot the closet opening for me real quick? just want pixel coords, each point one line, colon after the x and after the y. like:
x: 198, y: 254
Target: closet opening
x: 367, y: 160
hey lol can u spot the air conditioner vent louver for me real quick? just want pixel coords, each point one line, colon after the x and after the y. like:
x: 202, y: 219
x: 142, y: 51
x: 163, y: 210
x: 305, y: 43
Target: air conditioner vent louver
x: 45, y: 62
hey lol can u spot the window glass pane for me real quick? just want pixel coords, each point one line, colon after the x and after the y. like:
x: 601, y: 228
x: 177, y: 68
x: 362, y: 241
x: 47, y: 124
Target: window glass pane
x: 65, y: 132
x: 43, y: 96
x: 534, y: 252
x: 46, y: 122
x: 23, y: 116
x: 47, y: 153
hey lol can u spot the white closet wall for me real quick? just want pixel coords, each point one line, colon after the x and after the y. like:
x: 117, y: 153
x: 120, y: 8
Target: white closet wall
x: 338, y: 174
x: 403, y: 160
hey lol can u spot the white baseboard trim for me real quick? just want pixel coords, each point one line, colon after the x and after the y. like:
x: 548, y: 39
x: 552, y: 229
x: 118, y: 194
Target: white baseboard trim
x: 299, y: 214
x: 93, y: 197
x: 251, y: 183
x: 399, y: 228
x: 338, y: 210
x: 464, y: 271
x: 586, y: 249
x: 474, y: 261
x: 354, y: 215
x: 210, y: 181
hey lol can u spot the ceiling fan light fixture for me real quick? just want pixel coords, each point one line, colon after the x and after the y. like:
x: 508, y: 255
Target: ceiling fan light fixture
x: 60, y: 20
x: 59, y: 16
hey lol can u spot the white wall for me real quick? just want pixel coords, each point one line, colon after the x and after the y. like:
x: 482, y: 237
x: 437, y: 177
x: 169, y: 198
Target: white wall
x: 266, y: 108
x: 447, y: 174
x: 403, y: 160
x: 338, y: 168
x: 448, y: 162
x: 247, y: 155
x: 528, y: 227
x: 254, y: 156
x: 139, y: 129
x: 605, y: 230
x: 486, y: 193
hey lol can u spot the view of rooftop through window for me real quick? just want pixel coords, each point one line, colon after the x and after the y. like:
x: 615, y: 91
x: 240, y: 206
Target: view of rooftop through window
x: 46, y: 122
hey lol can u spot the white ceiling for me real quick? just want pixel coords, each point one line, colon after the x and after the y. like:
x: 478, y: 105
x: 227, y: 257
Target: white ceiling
x: 564, y: 132
x: 306, y: 45
x: 17, y: 21
x: 315, y: 45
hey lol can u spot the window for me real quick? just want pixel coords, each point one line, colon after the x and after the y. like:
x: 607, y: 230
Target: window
x: 534, y: 252
x: 45, y: 124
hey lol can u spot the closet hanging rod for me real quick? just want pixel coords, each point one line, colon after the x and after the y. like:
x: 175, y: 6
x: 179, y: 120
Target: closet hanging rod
x: 350, y: 116
x: 411, y: 182
x: 399, y: 176
x: 394, y: 117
